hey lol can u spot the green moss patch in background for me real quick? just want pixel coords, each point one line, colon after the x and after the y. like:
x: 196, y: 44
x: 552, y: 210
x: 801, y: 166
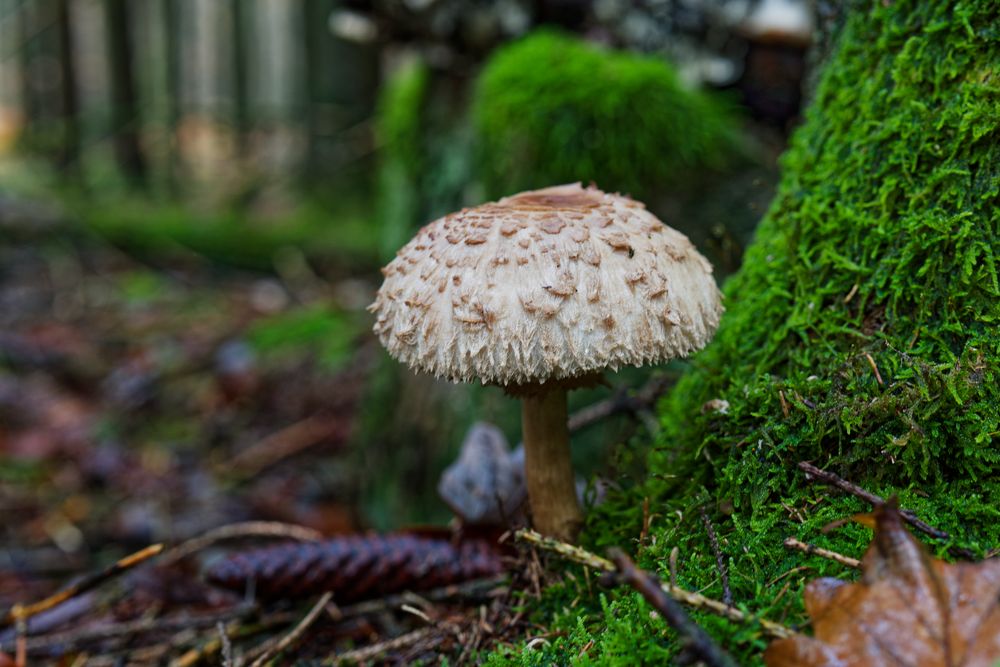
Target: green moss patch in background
x: 344, y: 237
x: 554, y: 109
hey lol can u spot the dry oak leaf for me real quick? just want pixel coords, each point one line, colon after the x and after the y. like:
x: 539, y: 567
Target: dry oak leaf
x: 908, y: 609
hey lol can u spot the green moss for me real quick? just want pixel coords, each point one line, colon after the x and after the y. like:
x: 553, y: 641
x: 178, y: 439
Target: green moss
x: 327, y: 333
x: 400, y: 115
x: 424, y: 165
x: 880, y: 243
x: 553, y: 109
x: 340, y: 236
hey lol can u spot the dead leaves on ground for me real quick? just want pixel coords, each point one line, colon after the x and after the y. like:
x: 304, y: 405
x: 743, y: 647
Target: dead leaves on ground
x: 908, y: 609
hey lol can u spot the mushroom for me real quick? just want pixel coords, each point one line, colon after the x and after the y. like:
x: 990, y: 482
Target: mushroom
x: 540, y: 293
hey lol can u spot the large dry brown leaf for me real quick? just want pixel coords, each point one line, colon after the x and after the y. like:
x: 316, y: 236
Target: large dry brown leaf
x: 908, y: 609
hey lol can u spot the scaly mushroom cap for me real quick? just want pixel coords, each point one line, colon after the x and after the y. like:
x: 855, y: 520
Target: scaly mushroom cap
x: 545, y: 285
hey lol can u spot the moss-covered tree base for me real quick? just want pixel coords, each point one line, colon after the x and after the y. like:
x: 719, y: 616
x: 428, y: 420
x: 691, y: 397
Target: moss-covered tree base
x: 861, y: 336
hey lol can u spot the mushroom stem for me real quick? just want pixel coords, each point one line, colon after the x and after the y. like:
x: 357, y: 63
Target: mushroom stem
x: 548, y: 468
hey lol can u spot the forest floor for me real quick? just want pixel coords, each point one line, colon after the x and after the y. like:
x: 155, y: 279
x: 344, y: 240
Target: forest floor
x: 142, y: 404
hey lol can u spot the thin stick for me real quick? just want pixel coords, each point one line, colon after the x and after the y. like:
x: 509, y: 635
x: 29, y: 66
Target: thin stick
x: 696, y: 600
x: 227, y: 646
x: 71, y: 640
x: 727, y: 594
x: 620, y: 401
x: 21, y: 643
x: 24, y: 612
x: 467, y: 589
x: 296, y: 633
x: 269, y: 529
x: 871, y: 362
x: 805, y: 547
x: 693, y: 638
x: 287, y: 442
x: 869, y: 497
x: 375, y: 650
x: 646, y: 520
x: 214, y: 645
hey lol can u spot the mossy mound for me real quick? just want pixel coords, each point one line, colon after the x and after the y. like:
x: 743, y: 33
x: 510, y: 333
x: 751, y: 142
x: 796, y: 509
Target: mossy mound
x: 554, y: 109
x: 861, y: 336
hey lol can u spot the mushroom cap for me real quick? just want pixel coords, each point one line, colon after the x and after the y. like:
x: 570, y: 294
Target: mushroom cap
x: 545, y: 285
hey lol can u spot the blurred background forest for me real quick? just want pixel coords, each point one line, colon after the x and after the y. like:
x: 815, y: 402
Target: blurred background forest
x: 196, y: 197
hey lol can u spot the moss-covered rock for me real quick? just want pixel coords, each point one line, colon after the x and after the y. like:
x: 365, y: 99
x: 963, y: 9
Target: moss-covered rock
x: 861, y: 335
x: 554, y: 109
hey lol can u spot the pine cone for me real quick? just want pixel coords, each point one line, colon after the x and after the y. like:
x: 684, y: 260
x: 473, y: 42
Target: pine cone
x: 356, y: 567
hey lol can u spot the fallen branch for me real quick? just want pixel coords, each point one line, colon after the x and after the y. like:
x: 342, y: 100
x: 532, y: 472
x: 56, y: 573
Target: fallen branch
x: 288, y: 640
x: 23, y: 612
x: 696, y: 600
x: 793, y: 543
x: 693, y: 639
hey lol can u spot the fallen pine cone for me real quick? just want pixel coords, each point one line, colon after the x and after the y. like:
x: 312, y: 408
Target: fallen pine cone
x: 356, y: 567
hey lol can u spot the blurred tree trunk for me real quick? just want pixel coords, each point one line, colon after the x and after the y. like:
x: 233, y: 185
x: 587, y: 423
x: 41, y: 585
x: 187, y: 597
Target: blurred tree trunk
x: 172, y: 64
x: 313, y: 29
x: 29, y: 107
x: 69, y: 155
x: 241, y: 116
x: 125, y: 117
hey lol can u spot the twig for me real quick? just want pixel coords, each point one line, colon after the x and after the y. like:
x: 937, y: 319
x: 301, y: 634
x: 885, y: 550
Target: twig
x: 227, y: 646
x: 376, y: 650
x: 73, y: 639
x: 567, y: 551
x: 646, y: 520
x: 211, y: 647
x: 23, y: 612
x: 693, y: 638
x: 727, y: 594
x: 784, y: 404
x: 871, y: 362
x: 620, y: 401
x: 287, y: 442
x: 833, y: 480
x: 214, y: 645
x: 464, y: 590
x: 270, y: 529
x: 696, y: 600
x: 21, y: 643
x: 805, y: 547
x: 296, y: 633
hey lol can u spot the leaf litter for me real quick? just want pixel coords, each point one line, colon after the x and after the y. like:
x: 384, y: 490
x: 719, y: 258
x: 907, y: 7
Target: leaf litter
x: 908, y: 609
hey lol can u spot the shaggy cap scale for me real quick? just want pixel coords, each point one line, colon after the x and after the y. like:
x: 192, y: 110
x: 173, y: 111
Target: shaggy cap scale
x: 545, y: 285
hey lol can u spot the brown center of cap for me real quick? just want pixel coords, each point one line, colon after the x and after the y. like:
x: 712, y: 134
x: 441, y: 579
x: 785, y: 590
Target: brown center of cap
x: 570, y: 200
